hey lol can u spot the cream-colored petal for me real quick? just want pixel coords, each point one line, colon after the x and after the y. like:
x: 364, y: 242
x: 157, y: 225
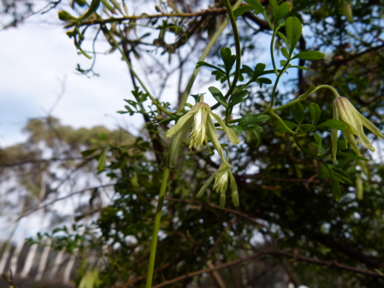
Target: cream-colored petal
x: 205, y: 186
x: 211, y: 133
x: 348, y: 136
x: 221, y: 179
x: 198, y: 134
x: 231, y: 135
x: 180, y: 123
x: 235, y: 193
x: 352, y: 117
x: 346, y: 112
x: 370, y: 126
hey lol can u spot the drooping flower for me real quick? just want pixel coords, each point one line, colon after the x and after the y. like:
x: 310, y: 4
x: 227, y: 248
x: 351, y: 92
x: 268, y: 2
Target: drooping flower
x: 200, y: 120
x: 221, y: 183
x: 344, y: 110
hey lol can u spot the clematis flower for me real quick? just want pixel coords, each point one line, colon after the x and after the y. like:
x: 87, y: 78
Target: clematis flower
x: 221, y: 183
x: 344, y: 110
x: 200, y: 121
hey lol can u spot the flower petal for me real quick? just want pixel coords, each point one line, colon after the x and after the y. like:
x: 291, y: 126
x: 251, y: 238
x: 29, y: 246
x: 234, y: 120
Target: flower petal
x: 231, y: 135
x: 199, y: 133
x: 235, y: 194
x: 211, y: 133
x: 205, y: 186
x: 349, y: 138
x: 222, y: 200
x: 182, y: 120
x: 370, y: 126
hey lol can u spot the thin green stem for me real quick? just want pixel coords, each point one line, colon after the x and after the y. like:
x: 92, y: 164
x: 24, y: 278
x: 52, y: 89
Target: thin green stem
x: 154, y: 100
x: 305, y: 95
x: 271, y: 51
x: 202, y: 58
x: 237, y: 46
x: 281, y: 121
x: 156, y: 227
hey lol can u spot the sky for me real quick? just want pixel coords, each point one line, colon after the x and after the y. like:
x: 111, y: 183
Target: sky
x: 37, y: 74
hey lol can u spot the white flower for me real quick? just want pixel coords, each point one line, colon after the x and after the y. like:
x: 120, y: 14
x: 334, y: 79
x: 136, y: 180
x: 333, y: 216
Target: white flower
x: 344, y: 110
x: 221, y: 183
x: 199, y: 119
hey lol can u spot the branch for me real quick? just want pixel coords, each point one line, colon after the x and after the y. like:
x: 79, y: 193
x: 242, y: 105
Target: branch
x: 203, y: 13
x: 62, y: 198
x: 328, y: 264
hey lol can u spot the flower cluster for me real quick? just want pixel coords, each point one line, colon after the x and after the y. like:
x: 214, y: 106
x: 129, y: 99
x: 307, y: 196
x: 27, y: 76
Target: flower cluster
x: 221, y: 183
x: 199, y: 121
x: 344, y: 110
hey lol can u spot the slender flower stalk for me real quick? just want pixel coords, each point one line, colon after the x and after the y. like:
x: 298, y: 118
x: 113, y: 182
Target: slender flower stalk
x: 344, y: 110
x: 200, y: 121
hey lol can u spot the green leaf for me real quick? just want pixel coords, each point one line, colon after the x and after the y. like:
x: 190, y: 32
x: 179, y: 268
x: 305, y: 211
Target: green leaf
x: 317, y: 146
x: 87, y: 153
x: 251, y: 119
x: 260, y: 118
x: 307, y: 127
x: 317, y: 138
x: 102, y: 159
x: 238, y: 97
x: 218, y: 96
x: 342, y: 145
x: 309, y: 55
x: 333, y: 123
x: 247, y: 70
x: 241, y: 10
x: 342, y: 175
x: 323, y: 173
x: 257, y: 134
x: 281, y: 35
x: 314, y: 112
x: 237, y: 129
x: 263, y: 80
x: 65, y: 16
x: 235, y: 101
x: 283, y: 10
x: 259, y: 69
x: 297, y: 111
x: 92, y: 8
x: 293, y: 29
x: 284, y: 52
x: 202, y: 63
x: 299, y: 67
x: 256, y: 5
x: 228, y: 58
x: 274, y: 5
x: 102, y: 136
x: 336, y: 189
x: 281, y: 129
x: 351, y: 156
